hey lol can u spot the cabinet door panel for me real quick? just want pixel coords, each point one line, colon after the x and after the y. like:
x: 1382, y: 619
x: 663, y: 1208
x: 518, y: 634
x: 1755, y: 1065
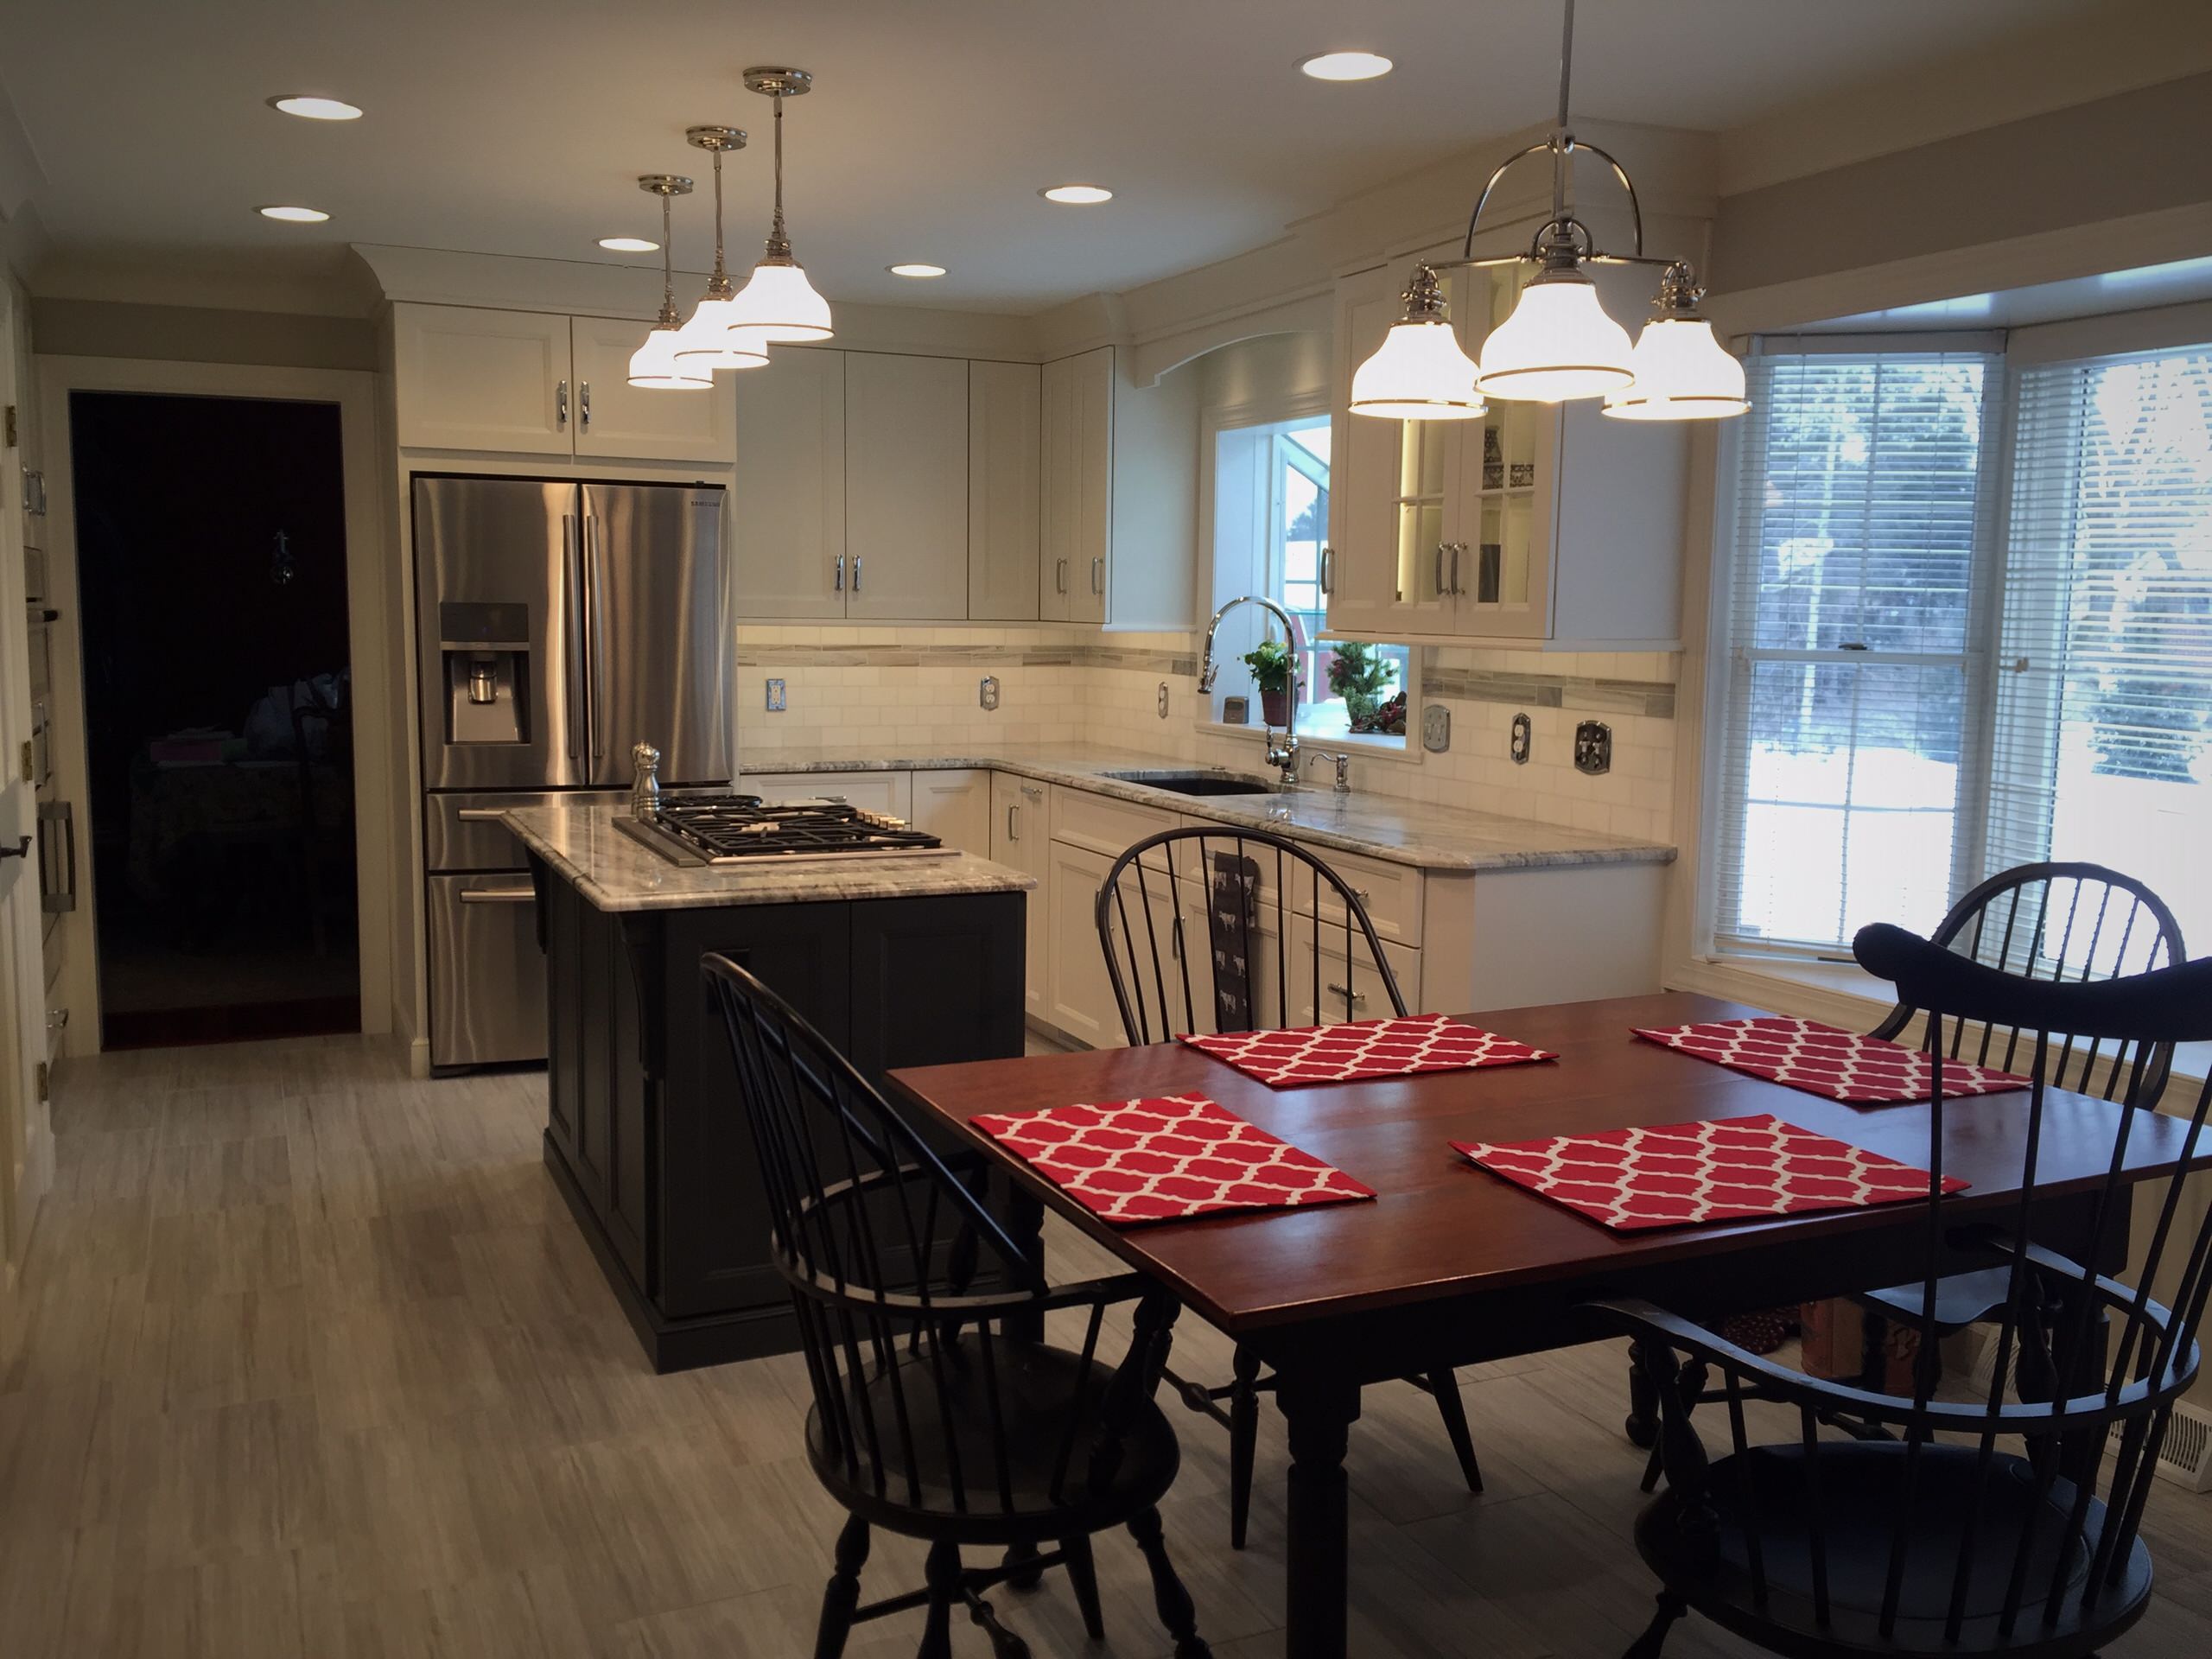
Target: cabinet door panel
x: 1056, y: 552
x: 617, y: 420
x: 1363, y: 483
x: 887, y: 792
x: 1092, y: 486
x: 477, y: 379
x: 1022, y: 837
x: 1082, y: 997
x: 789, y: 520
x: 907, y: 486
x: 1003, y: 412
x: 955, y: 808
x: 936, y: 981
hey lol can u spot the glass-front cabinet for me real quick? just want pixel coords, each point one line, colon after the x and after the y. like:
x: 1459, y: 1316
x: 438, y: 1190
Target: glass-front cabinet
x: 1536, y: 523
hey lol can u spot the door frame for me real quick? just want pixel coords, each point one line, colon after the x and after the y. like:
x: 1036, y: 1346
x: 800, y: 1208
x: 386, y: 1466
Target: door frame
x: 377, y: 713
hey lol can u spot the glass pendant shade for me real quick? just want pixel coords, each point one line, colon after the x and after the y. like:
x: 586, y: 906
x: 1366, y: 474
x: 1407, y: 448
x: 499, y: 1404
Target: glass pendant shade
x: 1418, y: 373
x: 1682, y: 373
x: 779, y: 306
x: 708, y: 344
x: 654, y: 366
x: 1558, y: 344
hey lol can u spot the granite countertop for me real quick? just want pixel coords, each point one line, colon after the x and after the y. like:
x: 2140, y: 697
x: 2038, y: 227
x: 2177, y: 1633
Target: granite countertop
x: 618, y: 873
x: 1380, y: 826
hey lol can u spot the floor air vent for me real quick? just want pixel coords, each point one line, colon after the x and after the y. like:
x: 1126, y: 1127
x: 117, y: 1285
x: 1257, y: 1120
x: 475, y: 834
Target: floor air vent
x: 2185, y: 1458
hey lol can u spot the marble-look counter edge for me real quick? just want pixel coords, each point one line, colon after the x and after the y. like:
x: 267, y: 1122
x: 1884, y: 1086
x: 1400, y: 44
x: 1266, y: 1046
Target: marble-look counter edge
x: 585, y: 848
x: 1386, y: 827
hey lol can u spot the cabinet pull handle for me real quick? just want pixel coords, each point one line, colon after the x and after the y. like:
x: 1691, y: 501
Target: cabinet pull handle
x: 1060, y: 575
x: 1457, y: 548
x: 1013, y: 823
x: 840, y: 582
x: 1098, y: 575
x: 1441, y: 590
x: 583, y: 404
x: 1353, y: 998
x: 561, y: 406
x: 498, y: 896
x: 1328, y: 570
x: 1032, y: 791
x: 856, y: 573
x: 839, y: 799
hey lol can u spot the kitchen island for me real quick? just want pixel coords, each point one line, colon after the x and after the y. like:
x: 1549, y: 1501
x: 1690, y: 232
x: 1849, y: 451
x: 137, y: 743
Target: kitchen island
x: 898, y: 961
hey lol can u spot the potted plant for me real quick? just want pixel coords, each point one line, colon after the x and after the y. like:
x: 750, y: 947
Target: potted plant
x: 1360, y: 675
x: 1273, y: 666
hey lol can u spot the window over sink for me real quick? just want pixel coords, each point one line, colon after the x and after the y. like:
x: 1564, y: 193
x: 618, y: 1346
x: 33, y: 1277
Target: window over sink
x: 1271, y: 518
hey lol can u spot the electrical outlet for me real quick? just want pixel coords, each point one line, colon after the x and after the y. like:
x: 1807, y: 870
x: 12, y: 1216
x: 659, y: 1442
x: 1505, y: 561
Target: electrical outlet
x: 1163, y: 699
x: 987, y: 693
x: 775, y: 701
x: 1436, y: 729
x: 1593, y: 747
x: 1522, y: 740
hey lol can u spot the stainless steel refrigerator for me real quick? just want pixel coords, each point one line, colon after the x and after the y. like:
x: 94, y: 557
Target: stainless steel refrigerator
x: 557, y: 625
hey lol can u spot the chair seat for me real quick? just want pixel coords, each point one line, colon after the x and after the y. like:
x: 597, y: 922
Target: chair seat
x: 1961, y: 1300
x: 1861, y: 1492
x: 1041, y: 1394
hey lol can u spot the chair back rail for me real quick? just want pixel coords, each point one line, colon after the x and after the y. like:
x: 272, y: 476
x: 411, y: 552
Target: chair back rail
x: 2072, y: 922
x: 914, y: 1380
x: 2021, y: 1542
x: 1200, y: 928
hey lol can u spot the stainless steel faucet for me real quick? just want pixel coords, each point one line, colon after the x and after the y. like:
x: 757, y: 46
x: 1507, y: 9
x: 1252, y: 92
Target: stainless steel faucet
x: 1283, y: 756
x: 1344, y: 766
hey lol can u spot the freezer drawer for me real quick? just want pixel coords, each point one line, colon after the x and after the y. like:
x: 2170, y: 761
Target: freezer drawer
x: 488, y: 975
x: 462, y: 831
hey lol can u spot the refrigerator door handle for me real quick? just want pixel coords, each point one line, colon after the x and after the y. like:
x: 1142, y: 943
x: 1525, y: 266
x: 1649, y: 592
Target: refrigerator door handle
x: 572, y: 575
x: 594, y: 639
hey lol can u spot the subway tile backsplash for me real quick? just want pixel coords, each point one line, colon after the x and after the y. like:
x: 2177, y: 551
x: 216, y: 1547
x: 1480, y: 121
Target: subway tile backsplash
x: 914, y: 688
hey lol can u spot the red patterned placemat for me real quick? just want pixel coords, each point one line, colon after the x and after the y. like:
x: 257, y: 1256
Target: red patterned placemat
x: 1365, y: 1048
x: 1683, y: 1173
x: 1166, y: 1159
x: 1827, y: 1061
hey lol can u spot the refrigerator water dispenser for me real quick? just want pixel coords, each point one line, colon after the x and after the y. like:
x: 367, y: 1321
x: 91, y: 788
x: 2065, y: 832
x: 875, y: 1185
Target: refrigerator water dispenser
x: 487, y: 671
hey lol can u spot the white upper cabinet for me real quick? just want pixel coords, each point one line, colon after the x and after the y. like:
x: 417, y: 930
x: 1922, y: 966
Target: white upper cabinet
x: 1003, y: 462
x: 1541, y: 523
x: 531, y: 383
x: 476, y: 379
x: 789, y: 522
x: 1120, y: 495
x: 620, y: 421
x: 905, y: 487
x: 1078, y: 486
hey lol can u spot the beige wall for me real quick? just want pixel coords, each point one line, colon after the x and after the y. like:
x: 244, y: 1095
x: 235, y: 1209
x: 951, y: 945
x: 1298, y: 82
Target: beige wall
x: 182, y: 333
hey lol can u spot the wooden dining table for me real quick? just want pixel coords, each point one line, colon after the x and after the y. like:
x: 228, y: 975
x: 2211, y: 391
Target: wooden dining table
x: 1451, y: 1265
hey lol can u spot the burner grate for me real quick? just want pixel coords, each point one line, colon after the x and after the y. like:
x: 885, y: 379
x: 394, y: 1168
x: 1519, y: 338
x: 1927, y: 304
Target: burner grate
x: 734, y: 829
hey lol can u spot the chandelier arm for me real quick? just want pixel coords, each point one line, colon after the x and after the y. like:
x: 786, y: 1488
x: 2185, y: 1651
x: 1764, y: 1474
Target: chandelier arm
x: 1467, y: 247
x: 1635, y: 205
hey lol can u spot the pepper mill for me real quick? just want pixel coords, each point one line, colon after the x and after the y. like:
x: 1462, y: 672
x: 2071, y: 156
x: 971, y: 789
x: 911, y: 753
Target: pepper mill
x: 645, y: 787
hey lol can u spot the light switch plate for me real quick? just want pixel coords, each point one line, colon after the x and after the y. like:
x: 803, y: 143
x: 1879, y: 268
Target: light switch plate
x: 1436, y: 729
x: 987, y: 693
x: 1593, y: 747
x: 775, y: 696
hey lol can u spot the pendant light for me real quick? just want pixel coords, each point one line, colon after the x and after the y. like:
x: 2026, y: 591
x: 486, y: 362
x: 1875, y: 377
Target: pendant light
x: 1559, y: 342
x: 778, y: 304
x: 706, y: 343
x: 1419, y: 374
x: 1682, y: 373
x: 654, y: 365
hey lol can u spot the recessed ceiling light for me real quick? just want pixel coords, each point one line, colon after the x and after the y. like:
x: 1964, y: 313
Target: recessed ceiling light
x: 1346, y: 66
x: 1081, y: 195
x: 312, y: 108
x: 915, y: 269
x: 295, y: 215
x: 628, y: 245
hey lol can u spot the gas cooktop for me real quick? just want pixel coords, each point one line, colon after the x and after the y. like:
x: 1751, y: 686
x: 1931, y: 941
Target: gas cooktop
x: 736, y: 829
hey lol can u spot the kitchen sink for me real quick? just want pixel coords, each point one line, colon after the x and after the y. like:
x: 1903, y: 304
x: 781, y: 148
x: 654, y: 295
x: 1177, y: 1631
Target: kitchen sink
x: 1198, y: 783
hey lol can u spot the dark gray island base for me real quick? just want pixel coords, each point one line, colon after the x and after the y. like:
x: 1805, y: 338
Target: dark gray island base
x: 907, y: 962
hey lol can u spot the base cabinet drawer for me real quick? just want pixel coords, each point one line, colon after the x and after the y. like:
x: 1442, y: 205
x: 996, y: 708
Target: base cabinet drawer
x: 888, y: 792
x: 1391, y: 893
x: 1103, y: 824
x: 1349, y: 986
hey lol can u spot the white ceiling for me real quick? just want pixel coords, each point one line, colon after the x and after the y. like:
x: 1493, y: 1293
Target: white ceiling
x: 517, y: 126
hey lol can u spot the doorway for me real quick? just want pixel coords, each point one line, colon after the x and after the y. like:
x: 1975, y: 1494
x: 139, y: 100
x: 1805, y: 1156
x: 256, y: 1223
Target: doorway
x: 219, y: 716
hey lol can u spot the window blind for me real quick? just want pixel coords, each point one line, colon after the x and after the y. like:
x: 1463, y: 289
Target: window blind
x: 1856, y: 600
x: 2100, y: 729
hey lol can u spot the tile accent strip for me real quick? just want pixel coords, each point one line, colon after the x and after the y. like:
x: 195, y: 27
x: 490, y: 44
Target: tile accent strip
x: 917, y: 655
x: 1652, y: 697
